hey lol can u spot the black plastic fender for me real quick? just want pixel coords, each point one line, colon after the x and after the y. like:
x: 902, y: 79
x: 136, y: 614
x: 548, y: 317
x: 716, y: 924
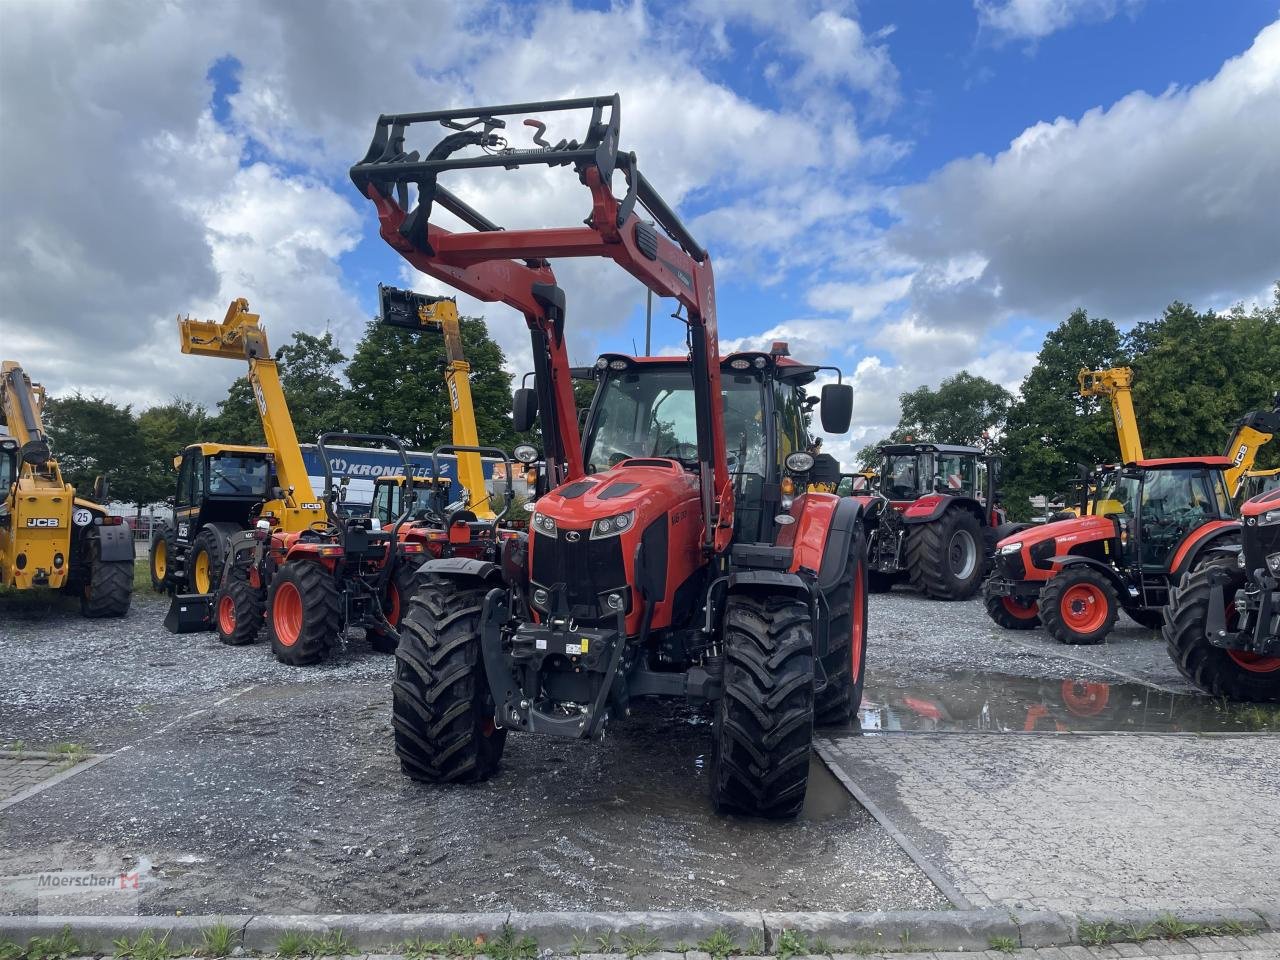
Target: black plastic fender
x: 846, y: 525
x: 115, y: 543
x: 1123, y: 588
x: 462, y: 567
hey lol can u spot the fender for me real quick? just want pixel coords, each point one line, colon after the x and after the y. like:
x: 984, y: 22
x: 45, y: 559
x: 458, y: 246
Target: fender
x: 845, y: 528
x: 814, y: 514
x: 932, y: 505
x: 775, y: 580
x: 1117, y: 581
x: 462, y: 567
x: 115, y: 542
x: 1193, y: 547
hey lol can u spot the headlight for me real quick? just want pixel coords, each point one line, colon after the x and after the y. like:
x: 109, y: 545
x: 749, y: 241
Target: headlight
x: 544, y: 524
x: 612, y: 526
x: 1273, y: 564
x: 1268, y: 518
x: 1015, y: 547
x: 526, y: 453
x: 799, y: 462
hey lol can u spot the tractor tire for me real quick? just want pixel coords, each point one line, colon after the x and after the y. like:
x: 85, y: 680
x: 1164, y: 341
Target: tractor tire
x: 108, y: 588
x: 1233, y: 674
x: 394, y: 608
x: 442, y: 710
x: 303, y: 614
x: 206, y: 556
x: 159, y: 559
x: 764, y: 720
x: 945, y: 556
x: 846, y: 660
x: 1010, y: 613
x: 1144, y: 617
x: 1079, y: 606
x: 239, y: 609
x: 880, y: 582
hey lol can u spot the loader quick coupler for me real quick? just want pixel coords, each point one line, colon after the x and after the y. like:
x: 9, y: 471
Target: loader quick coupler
x: 556, y: 677
x: 1262, y: 594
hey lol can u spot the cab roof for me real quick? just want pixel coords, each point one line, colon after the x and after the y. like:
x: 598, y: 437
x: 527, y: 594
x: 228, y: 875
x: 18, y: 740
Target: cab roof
x: 900, y: 449
x: 208, y: 449
x: 784, y: 367
x: 1223, y: 463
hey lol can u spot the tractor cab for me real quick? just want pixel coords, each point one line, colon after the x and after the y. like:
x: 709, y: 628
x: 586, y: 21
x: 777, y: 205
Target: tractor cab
x: 909, y: 471
x: 432, y: 495
x: 218, y: 483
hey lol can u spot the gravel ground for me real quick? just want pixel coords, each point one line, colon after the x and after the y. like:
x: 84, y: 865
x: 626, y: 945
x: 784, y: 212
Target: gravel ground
x: 249, y: 786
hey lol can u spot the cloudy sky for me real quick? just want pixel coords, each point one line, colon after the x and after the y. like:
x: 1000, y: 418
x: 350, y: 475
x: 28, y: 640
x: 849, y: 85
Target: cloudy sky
x: 904, y: 190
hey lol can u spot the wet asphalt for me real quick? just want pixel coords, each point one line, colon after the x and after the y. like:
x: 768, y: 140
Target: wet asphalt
x: 252, y: 787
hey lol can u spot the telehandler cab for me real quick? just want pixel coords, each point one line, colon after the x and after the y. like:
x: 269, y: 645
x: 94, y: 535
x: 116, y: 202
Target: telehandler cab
x: 934, y: 519
x: 49, y: 537
x: 1222, y: 625
x: 664, y: 560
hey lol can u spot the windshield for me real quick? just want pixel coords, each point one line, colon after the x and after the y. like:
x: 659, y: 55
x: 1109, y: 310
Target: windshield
x: 901, y: 476
x: 650, y: 413
x: 1117, y: 493
x: 238, y: 475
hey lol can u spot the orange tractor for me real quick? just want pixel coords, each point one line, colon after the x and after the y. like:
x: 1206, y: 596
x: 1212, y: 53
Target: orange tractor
x: 677, y: 551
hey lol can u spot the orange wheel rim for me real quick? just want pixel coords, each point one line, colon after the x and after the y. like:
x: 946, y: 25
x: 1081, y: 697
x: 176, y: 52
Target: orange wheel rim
x: 227, y: 615
x: 286, y: 614
x: 1085, y: 699
x: 1084, y: 607
x: 857, y: 609
x: 393, y: 606
x: 1254, y: 662
x: 1020, y: 609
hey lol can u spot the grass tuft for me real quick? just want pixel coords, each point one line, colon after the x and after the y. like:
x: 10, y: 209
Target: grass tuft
x: 719, y: 944
x: 292, y: 943
x: 791, y: 943
x: 633, y: 946
x: 217, y: 941
x: 144, y: 947
x: 58, y: 947
x: 1003, y: 944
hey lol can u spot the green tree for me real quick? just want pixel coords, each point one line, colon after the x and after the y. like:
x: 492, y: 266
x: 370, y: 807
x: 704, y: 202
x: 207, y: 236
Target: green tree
x: 92, y: 436
x: 961, y: 410
x: 1196, y: 374
x: 1050, y: 428
x: 311, y: 377
x: 165, y: 430
x: 397, y: 386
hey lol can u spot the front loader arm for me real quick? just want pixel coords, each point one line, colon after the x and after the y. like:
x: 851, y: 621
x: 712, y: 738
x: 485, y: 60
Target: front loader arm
x: 510, y: 266
x: 1252, y: 432
x: 23, y: 405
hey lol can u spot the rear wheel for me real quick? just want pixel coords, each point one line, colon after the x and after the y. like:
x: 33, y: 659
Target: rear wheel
x: 239, y: 609
x: 303, y: 616
x: 764, y: 720
x: 846, y: 658
x: 394, y: 607
x: 945, y: 556
x: 1011, y: 613
x: 159, y: 559
x: 107, y: 590
x: 204, y: 559
x: 442, y: 710
x: 1234, y: 674
x: 1079, y: 606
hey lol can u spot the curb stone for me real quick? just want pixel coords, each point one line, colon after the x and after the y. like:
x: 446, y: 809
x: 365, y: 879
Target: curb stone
x: 953, y: 930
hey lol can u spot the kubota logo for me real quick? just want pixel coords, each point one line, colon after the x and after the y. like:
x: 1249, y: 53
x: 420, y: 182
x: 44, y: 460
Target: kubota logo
x: 42, y: 521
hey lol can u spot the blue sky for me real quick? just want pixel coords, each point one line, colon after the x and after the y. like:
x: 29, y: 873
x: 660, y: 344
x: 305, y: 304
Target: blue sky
x: 905, y: 189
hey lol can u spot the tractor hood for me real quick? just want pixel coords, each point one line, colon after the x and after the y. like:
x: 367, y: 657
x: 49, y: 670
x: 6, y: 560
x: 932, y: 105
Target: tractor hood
x: 648, y: 486
x: 1066, y: 532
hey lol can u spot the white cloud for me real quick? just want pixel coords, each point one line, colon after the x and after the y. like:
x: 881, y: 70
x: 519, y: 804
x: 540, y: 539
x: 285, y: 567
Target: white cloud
x: 1036, y: 19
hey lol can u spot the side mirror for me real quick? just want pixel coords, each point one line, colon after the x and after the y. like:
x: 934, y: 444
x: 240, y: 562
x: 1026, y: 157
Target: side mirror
x: 100, y: 489
x: 524, y: 409
x: 837, y: 407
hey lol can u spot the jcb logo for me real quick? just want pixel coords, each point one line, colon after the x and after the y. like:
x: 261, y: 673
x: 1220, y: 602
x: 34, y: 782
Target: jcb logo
x: 1242, y: 453
x: 453, y: 394
x: 42, y: 521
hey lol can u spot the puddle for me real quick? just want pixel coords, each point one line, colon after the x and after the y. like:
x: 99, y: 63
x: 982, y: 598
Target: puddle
x: 966, y: 702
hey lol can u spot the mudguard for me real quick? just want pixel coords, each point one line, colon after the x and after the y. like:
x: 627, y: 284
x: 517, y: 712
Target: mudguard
x: 115, y: 543
x: 462, y: 567
x: 846, y: 525
x: 933, y: 505
x: 1071, y: 560
x: 1196, y: 543
x: 775, y: 580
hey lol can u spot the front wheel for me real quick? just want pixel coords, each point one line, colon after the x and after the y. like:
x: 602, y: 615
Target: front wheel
x: 394, y: 607
x: 442, y: 709
x: 1079, y: 606
x: 108, y: 589
x: 846, y: 659
x: 303, y: 615
x: 159, y: 559
x: 1234, y: 674
x: 1011, y: 613
x: 239, y: 609
x: 764, y: 720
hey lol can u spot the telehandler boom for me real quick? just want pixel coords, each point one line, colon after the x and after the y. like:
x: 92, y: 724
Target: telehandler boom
x: 49, y: 537
x: 1252, y: 432
x: 1117, y: 384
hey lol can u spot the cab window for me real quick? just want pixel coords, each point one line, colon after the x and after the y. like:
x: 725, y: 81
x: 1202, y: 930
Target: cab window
x: 793, y: 436
x: 185, y: 472
x: 386, y: 503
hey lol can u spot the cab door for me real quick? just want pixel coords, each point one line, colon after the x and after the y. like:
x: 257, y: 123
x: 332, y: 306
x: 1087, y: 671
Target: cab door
x: 186, y: 507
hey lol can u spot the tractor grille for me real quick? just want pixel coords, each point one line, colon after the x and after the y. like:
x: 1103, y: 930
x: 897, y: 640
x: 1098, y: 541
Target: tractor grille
x: 1259, y: 543
x: 586, y: 568
x: 1010, y: 567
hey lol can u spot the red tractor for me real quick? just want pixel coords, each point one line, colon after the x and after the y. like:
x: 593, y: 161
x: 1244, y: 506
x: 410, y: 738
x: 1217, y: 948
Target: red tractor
x: 934, y: 519
x: 1152, y: 522
x: 666, y: 558
x: 1222, y: 625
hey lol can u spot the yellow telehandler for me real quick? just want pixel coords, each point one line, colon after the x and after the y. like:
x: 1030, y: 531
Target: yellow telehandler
x: 49, y: 537
x: 1252, y: 432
